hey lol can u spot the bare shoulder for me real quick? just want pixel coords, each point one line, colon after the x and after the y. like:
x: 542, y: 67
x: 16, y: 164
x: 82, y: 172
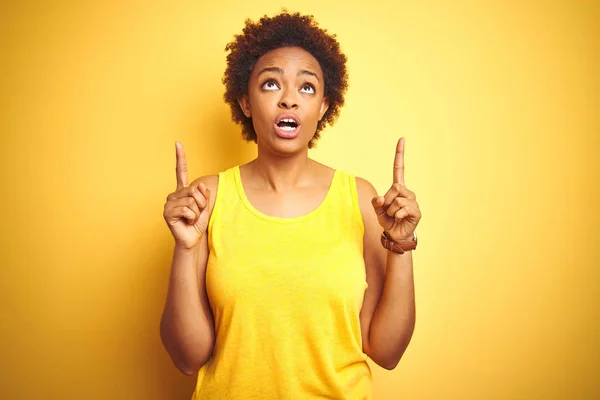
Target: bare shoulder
x: 366, y: 191
x: 210, y: 181
x: 365, y: 187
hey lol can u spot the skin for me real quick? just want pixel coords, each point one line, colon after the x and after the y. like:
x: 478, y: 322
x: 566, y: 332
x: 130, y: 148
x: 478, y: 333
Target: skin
x: 284, y: 182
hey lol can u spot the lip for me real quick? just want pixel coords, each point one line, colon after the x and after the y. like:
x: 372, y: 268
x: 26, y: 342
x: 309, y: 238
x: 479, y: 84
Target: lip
x: 288, y: 116
x: 286, y: 134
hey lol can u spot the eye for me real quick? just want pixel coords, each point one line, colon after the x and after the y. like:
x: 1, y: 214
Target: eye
x: 270, y: 85
x: 307, y: 88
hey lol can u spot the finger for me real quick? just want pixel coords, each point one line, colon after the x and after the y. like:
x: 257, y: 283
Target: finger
x: 399, y: 162
x: 187, y: 213
x: 181, y: 166
x: 188, y: 202
x: 205, y: 192
x: 396, y: 205
x: 397, y: 190
x: 199, y: 197
x: 180, y: 193
x: 401, y: 214
x: 377, y: 203
x: 172, y: 215
x: 380, y: 210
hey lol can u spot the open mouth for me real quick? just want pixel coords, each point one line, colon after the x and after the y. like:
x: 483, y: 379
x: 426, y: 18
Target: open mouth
x: 287, y: 124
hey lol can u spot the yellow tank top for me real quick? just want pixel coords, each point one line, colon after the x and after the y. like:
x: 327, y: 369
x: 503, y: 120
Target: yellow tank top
x: 286, y: 294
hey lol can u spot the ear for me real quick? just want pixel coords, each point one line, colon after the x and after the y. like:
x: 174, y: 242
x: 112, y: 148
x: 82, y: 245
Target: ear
x: 245, y: 105
x: 324, y: 107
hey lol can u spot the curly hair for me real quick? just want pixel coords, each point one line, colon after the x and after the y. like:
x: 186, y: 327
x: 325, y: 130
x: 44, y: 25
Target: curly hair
x: 284, y: 30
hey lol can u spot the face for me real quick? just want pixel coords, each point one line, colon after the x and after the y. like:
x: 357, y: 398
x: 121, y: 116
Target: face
x: 285, y: 99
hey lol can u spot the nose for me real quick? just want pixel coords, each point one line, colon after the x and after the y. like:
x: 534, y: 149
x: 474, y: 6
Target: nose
x: 288, y: 99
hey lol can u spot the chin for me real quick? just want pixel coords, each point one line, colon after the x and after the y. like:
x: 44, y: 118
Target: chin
x: 285, y: 146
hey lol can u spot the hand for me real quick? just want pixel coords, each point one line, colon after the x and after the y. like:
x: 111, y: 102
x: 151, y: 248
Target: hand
x: 397, y: 211
x: 186, y: 209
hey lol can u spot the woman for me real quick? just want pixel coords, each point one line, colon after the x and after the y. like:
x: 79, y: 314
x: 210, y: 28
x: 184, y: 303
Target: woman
x: 280, y: 287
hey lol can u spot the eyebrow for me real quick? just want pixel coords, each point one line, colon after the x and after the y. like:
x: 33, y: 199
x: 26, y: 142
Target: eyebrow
x: 280, y: 71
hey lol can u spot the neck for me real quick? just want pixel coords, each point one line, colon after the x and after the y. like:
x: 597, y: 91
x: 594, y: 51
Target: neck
x: 281, y: 173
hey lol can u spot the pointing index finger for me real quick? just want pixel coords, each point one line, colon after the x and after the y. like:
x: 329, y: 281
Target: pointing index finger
x: 399, y: 162
x: 181, y: 166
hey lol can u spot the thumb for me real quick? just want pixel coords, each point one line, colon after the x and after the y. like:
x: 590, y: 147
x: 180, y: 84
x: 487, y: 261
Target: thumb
x: 377, y: 203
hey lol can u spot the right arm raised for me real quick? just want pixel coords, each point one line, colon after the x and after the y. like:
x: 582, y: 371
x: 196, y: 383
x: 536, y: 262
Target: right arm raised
x: 187, y: 325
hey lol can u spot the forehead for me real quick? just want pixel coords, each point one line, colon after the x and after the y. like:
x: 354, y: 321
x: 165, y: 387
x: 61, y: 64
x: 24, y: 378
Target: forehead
x: 288, y: 58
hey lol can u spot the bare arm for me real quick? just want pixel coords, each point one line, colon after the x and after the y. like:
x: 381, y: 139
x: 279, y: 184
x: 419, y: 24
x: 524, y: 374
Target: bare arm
x: 187, y: 325
x: 388, y: 312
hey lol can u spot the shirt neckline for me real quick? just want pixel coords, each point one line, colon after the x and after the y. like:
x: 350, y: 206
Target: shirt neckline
x: 242, y: 193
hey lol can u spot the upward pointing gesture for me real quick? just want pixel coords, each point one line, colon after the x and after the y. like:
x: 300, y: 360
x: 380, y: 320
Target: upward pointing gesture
x: 399, y: 163
x: 186, y: 209
x: 181, y: 166
x: 397, y: 211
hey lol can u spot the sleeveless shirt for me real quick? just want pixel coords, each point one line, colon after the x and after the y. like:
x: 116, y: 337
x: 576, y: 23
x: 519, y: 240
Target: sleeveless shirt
x: 286, y: 295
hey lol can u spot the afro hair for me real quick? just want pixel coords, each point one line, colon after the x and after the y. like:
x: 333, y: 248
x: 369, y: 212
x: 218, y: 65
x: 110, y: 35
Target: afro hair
x: 284, y: 30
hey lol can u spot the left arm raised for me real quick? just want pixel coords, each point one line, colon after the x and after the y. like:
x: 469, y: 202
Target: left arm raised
x: 387, y: 316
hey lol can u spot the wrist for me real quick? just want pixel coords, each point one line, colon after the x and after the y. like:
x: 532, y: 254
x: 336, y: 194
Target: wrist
x: 181, y: 248
x: 398, y: 246
x: 409, y: 238
x: 404, y: 238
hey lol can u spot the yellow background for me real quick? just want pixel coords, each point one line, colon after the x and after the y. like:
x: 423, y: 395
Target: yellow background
x: 499, y: 102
